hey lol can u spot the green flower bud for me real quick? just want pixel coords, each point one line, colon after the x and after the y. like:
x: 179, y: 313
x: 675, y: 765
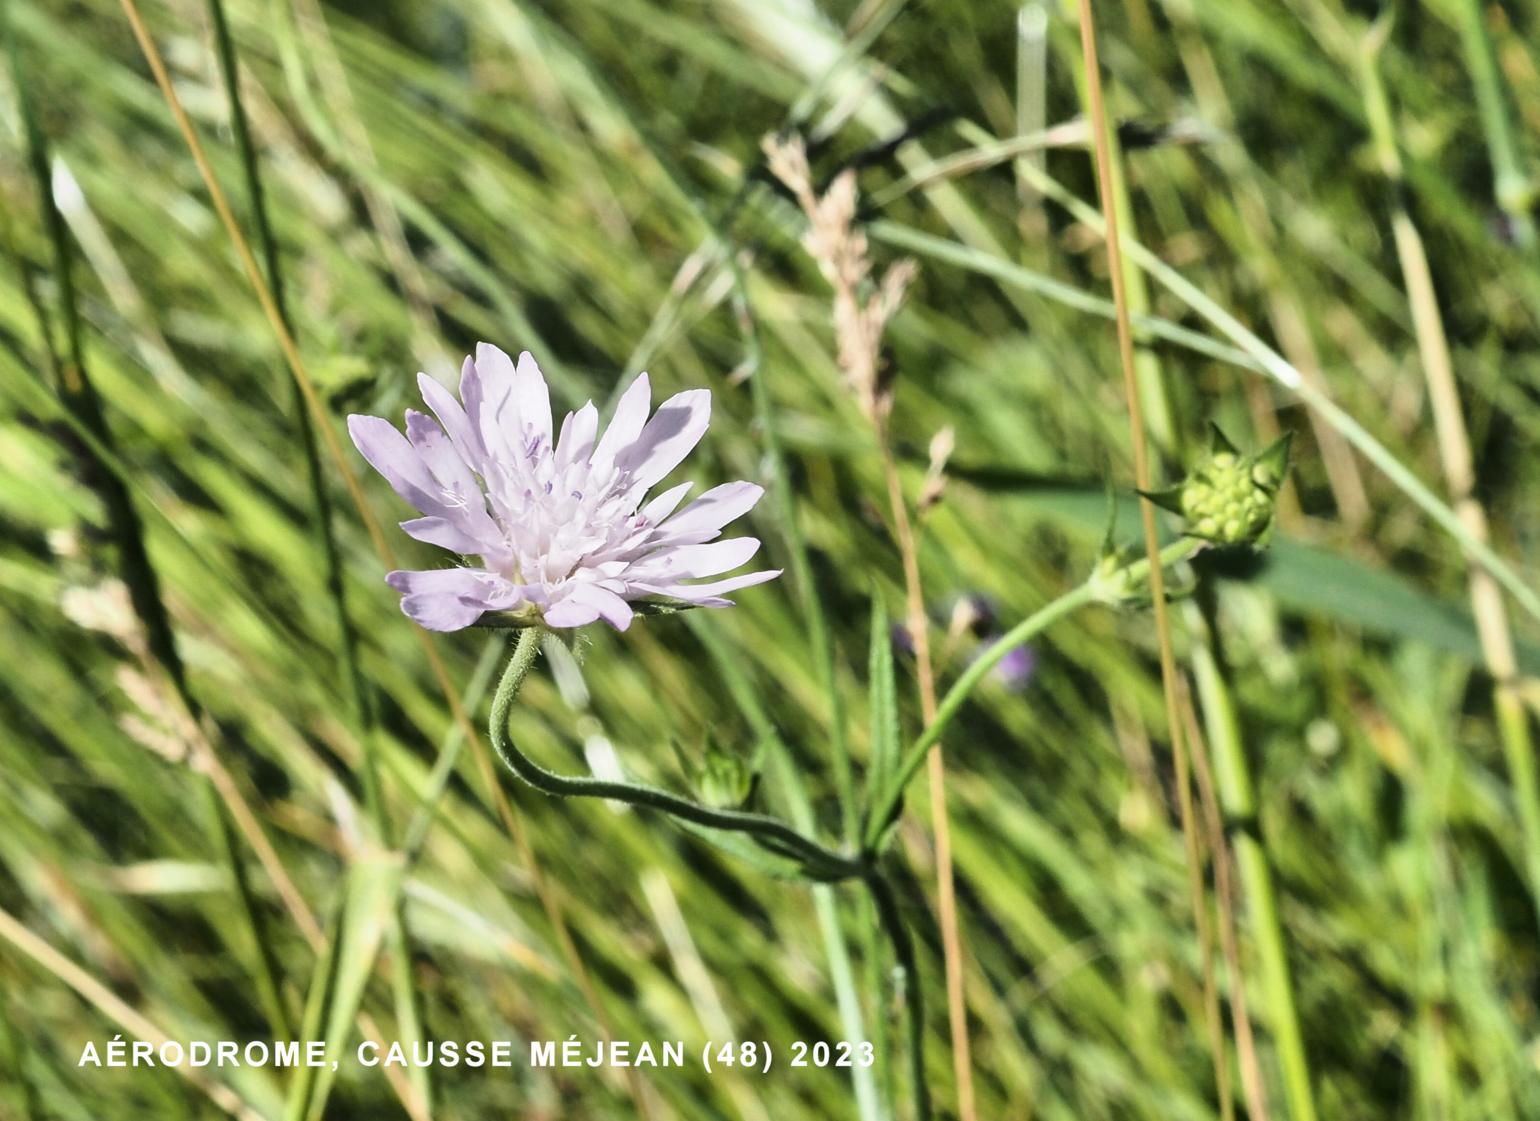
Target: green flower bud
x: 1119, y: 580
x: 720, y: 779
x: 724, y: 782
x: 1229, y: 498
x: 1111, y: 581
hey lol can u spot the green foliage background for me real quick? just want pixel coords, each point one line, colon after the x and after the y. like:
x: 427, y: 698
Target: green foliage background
x: 559, y: 177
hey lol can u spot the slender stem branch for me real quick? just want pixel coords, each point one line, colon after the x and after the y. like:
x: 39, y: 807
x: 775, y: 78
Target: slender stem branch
x: 1090, y: 592
x: 914, y: 1005
x: 886, y: 809
x: 823, y: 863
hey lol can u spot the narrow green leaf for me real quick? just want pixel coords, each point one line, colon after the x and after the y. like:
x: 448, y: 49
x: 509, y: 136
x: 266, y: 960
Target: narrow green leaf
x: 742, y: 847
x: 302, y: 1088
x: 342, y: 973
x: 883, y: 703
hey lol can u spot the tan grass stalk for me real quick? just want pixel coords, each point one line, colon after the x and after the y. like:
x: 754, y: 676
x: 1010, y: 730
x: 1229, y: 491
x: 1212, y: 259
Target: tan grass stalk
x: 1456, y: 458
x: 1168, y: 671
x: 105, y: 1001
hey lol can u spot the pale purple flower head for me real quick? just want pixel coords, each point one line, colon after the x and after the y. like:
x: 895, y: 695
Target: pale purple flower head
x: 558, y: 525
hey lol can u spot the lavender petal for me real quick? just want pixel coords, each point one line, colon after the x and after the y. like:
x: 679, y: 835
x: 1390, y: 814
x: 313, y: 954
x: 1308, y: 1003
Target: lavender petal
x: 668, y: 437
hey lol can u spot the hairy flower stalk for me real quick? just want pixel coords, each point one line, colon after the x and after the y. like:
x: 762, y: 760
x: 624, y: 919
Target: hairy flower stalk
x: 556, y: 521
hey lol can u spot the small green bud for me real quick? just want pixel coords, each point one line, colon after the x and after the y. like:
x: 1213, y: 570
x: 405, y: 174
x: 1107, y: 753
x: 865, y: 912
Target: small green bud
x: 724, y: 782
x: 1111, y: 581
x: 1118, y: 580
x: 721, y: 779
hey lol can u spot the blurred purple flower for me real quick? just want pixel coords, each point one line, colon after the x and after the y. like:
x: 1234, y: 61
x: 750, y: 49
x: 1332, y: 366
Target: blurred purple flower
x: 557, y: 523
x: 902, y: 640
x: 1015, y: 670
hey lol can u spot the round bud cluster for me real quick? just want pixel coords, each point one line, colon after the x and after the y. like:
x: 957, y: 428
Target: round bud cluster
x: 1229, y: 500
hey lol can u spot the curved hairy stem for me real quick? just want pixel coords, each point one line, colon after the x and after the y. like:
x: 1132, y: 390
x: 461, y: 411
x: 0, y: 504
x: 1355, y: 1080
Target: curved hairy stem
x: 823, y: 863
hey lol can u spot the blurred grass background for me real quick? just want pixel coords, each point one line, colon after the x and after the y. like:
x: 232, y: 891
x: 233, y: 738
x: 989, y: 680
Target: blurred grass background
x: 563, y: 178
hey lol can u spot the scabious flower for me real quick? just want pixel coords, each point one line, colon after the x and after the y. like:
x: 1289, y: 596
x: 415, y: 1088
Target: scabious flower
x: 557, y: 524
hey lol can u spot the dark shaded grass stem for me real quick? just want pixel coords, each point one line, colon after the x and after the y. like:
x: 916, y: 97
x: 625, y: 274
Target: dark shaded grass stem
x: 78, y: 394
x: 495, y: 792
x: 892, y: 922
x: 408, y: 1012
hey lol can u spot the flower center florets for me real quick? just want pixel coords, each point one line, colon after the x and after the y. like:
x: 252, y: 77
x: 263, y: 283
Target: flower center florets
x: 557, y: 519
